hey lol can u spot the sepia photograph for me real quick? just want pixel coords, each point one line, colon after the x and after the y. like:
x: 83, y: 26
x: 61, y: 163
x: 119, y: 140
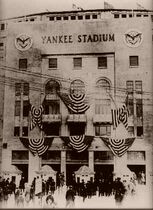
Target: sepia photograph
x: 76, y: 104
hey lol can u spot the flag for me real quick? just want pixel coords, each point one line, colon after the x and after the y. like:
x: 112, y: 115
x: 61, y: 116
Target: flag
x: 78, y: 143
x: 140, y: 7
x: 36, y: 117
x: 118, y: 146
x: 120, y: 115
x: 108, y: 6
x: 77, y: 104
x: 37, y: 146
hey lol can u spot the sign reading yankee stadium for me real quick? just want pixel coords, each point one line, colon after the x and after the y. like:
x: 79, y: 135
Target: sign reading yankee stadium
x: 81, y: 38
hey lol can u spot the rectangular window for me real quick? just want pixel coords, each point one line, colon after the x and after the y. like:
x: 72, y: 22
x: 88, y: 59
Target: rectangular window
x: 131, y: 106
x: 53, y: 63
x: 1, y: 44
x: 58, y: 18
x: 23, y: 63
x: 123, y: 15
x: 139, y: 108
x: 24, y: 131
x: 138, y: 86
x: 131, y: 130
x: 101, y: 130
x: 25, y: 89
x: 51, y: 129
x: 94, y: 16
x: 51, y: 18
x: 140, y: 131
x: 17, y: 89
x: 102, y: 106
x: 116, y: 15
x: 17, y: 131
x: 20, y: 155
x: 76, y: 129
x: 80, y: 17
x: 2, y: 26
x: 17, y: 108
x: 65, y: 18
x: 102, y: 62
x: 130, y: 15
x: 25, y: 108
x: 134, y: 61
x: 77, y: 62
x: 87, y: 17
x: 73, y: 17
x: 129, y: 86
x: 52, y: 107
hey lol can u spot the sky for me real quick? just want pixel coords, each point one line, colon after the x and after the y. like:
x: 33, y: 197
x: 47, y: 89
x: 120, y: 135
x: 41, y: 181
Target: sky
x: 14, y: 8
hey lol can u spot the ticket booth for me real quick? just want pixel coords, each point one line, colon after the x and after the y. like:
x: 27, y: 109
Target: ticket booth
x: 84, y: 173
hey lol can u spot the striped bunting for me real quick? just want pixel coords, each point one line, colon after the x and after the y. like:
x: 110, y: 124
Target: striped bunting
x: 78, y: 143
x: 118, y: 146
x: 120, y: 115
x: 37, y: 146
x: 75, y: 103
x: 36, y: 117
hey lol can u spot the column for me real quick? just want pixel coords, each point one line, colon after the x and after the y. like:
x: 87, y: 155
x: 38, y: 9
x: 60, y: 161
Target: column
x: 91, y: 160
x: 120, y: 165
x: 63, y: 163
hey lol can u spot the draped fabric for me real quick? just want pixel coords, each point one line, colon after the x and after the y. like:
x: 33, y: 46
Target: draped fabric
x: 118, y: 146
x: 36, y: 117
x: 37, y: 146
x: 78, y: 143
x: 120, y: 115
x: 76, y: 103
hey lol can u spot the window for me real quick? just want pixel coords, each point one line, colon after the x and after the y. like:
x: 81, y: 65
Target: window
x: 87, y: 17
x: 2, y: 26
x: 134, y: 61
x: 131, y: 130
x: 130, y: 106
x: 52, y: 87
x: 26, y: 89
x: 103, y: 86
x: 51, y: 129
x: 25, y: 108
x: 80, y: 17
x: 138, y: 86
x: 24, y: 131
x: 17, y: 89
x: 77, y: 87
x: 103, y: 155
x: 1, y: 44
x: 138, y: 15
x: 73, y: 17
x: 65, y: 18
x: 17, y: 131
x: 116, y: 15
x: 140, y: 131
x: 129, y: 86
x: 58, y: 18
x: 102, y: 106
x: 77, y: 63
x: 123, y: 15
x: 53, y: 63
x: 136, y: 155
x: 76, y: 129
x: 32, y: 19
x: 20, y: 155
x: 23, y: 63
x: 139, y: 108
x: 52, y: 107
x: 51, y: 18
x: 101, y: 130
x: 94, y: 16
x: 130, y: 15
x: 17, y: 108
x: 102, y: 62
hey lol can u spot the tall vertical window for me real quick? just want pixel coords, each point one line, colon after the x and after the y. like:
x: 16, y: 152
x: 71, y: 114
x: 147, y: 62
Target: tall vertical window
x: 25, y: 108
x: 102, y: 106
x: 131, y: 106
x: 134, y: 61
x: 25, y: 131
x: 17, y: 108
x: 77, y: 62
x: 101, y: 130
x: 2, y: 26
x: 17, y: 89
x: 17, y: 131
x: 103, y: 86
x: 129, y: 86
x: 139, y: 108
x: 102, y: 62
x: 26, y: 89
x: 53, y: 63
x: 138, y: 86
x: 23, y: 64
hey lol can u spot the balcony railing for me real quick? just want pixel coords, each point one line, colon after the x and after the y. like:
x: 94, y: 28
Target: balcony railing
x: 77, y: 118
x: 51, y: 118
x: 101, y: 118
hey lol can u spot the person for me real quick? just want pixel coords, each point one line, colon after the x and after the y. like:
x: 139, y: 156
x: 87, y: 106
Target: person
x: 119, y: 191
x: 50, y: 203
x: 70, y: 197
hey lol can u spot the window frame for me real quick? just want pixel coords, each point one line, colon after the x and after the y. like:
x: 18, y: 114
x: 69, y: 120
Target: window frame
x: 23, y: 64
x: 77, y: 63
x: 99, y: 127
x: 104, y: 62
x: 131, y: 62
x: 54, y: 65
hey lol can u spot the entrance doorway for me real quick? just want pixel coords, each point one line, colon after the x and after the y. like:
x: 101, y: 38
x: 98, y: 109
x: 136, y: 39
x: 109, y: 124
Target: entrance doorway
x: 70, y: 169
x: 140, y: 171
x: 104, y: 171
x: 24, y: 169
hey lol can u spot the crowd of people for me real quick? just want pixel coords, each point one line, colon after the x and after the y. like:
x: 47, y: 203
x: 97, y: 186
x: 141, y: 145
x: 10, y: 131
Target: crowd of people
x: 24, y: 194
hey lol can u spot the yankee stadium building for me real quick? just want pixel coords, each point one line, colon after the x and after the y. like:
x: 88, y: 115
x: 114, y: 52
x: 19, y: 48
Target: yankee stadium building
x: 76, y: 90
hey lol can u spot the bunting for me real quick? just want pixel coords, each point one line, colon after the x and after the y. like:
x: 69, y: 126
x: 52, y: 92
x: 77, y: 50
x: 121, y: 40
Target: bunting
x: 36, y: 117
x: 118, y: 146
x: 75, y: 103
x: 78, y: 143
x: 120, y: 115
x: 37, y: 146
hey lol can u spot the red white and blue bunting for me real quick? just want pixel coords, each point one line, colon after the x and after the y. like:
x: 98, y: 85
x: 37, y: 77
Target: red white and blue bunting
x: 78, y: 143
x: 36, y: 117
x: 118, y: 146
x: 76, y: 103
x: 120, y: 115
x: 37, y: 146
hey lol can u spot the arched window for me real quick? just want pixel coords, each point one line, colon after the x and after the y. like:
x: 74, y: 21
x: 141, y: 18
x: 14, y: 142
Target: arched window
x: 77, y: 87
x: 52, y: 87
x: 103, y: 85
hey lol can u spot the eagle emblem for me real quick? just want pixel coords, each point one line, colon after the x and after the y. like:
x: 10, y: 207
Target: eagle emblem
x: 23, y: 42
x: 133, y: 38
